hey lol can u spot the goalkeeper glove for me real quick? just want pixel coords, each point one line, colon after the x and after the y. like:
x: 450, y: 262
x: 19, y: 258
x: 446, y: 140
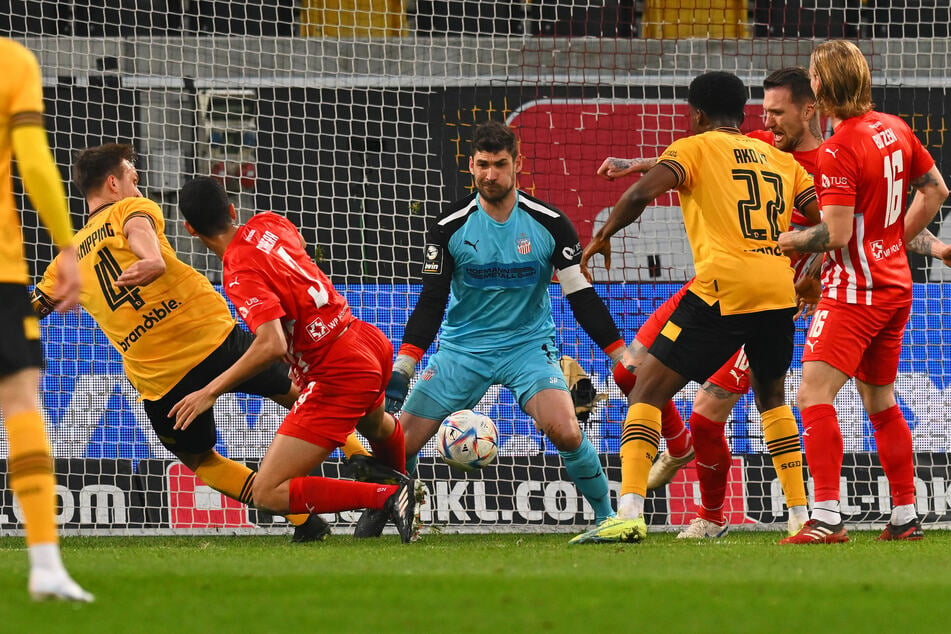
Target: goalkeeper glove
x: 396, y: 391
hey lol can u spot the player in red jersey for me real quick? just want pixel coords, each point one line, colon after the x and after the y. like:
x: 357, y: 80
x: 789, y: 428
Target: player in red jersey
x: 342, y: 364
x: 864, y: 170
x: 792, y: 126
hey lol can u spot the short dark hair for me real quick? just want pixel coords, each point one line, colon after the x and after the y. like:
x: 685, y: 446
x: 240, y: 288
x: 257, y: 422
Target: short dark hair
x: 720, y: 95
x: 94, y: 165
x: 796, y: 79
x: 494, y: 137
x: 204, y: 203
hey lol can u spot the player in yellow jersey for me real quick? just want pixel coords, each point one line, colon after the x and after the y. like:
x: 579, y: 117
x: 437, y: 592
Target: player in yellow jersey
x: 174, y: 331
x: 737, y: 196
x: 21, y: 353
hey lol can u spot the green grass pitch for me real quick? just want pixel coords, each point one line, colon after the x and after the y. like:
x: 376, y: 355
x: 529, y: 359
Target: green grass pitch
x: 489, y: 583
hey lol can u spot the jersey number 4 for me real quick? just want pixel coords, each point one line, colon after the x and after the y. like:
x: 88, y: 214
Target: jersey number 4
x: 754, y: 203
x: 108, y: 271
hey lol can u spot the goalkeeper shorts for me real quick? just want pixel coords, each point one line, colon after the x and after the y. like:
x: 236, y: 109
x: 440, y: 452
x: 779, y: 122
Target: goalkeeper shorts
x: 458, y: 379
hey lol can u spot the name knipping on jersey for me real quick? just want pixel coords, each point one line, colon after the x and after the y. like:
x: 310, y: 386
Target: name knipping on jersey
x: 880, y: 252
x: 100, y: 234
x: 749, y: 156
x: 149, y: 321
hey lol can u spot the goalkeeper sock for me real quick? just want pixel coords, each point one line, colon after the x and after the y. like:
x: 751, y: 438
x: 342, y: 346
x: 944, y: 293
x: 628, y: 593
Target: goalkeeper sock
x: 353, y: 447
x: 234, y: 480
x: 823, y: 440
x: 893, y: 439
x: 391, y: 451
x: 782, y: 440
x: 411, y: 463
x: 31, y: 476
x: 315, y: 494
x: 584, y: 468
x: 639, y: 440
x: 713, y: 465
x: 672, y: 428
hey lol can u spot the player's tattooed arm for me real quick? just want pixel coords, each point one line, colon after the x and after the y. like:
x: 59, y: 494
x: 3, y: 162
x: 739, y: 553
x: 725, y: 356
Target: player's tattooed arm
x: 924, y: 180
x: 923, y: 244
x: 815, y: 239
x: 613, y: 168
x: 927, y: 244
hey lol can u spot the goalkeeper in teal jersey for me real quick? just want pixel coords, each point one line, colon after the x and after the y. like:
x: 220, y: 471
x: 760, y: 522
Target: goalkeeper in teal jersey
x: 491, y: 257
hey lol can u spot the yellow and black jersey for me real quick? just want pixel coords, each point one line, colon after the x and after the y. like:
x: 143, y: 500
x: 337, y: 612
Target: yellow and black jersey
x: 21, y: 103
x: 163, y: 329
x: 737, y: 196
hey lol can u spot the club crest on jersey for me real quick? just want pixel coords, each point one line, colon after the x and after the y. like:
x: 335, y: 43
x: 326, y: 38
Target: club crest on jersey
x: 267, y: 242
x: 428, y: 373
x: 433, y: 262
x: 317, y: 329
x: 523, y: 245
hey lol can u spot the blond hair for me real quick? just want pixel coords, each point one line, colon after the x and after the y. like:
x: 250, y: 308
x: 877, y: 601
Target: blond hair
x: 845, y: 82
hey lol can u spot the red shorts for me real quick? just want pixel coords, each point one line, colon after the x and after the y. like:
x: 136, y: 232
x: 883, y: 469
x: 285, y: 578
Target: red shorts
x: 733, y: 377
x: 349, y: 382
x: 860, y: 341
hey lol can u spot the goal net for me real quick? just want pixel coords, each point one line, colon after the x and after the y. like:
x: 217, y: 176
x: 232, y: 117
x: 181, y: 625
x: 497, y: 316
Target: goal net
x: 353, y: 118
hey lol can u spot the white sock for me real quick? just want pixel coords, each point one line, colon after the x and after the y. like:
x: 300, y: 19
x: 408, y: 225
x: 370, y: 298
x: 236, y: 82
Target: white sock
x: 827, y: 511
x: 798, y: 512
x: 630, y: 506
x: 46, y: 557
x: 903, y: 514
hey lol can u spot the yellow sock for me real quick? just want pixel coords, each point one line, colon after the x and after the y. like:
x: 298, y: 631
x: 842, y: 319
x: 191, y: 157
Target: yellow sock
x: 234, y: 480
x: 639, y: 442
x: 354, y: 447
x: 31, y: 476
x: 782, y: 440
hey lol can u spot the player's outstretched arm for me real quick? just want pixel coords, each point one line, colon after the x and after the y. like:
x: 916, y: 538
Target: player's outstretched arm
x: 628, y: 208
x: 144, y: 242
x: 613, y: 168
x: 42, y: 182
x: 268, y: 346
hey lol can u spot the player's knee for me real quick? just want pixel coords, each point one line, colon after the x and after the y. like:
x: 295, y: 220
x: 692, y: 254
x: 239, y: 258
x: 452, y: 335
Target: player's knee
x: 266, y: 497
x: 566, y: 437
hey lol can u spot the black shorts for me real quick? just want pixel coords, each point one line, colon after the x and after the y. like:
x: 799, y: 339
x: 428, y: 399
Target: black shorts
x: 200, y: 436
x: 697, y: 340
x: 20, y: 345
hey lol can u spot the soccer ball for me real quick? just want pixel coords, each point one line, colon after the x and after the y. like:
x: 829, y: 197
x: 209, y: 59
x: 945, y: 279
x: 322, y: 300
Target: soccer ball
x: 467, y: 440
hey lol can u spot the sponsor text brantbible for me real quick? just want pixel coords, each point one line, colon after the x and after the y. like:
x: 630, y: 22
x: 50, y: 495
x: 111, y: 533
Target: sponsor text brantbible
x: 150, y: 319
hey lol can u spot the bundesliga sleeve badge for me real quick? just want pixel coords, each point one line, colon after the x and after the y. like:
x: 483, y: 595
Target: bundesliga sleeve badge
x: 433, y: 260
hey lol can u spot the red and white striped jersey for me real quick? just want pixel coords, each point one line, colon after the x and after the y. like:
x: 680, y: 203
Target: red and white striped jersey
x: 868, y: 164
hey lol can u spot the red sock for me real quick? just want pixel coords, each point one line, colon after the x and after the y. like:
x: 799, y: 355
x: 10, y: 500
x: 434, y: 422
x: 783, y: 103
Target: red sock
x: 391, y: 451
x: 713, y: 465
x: 672, y: 428
x: 823, y: 442
x: 314, y: 494
x: 624, y: 378
x: 894, y: 450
